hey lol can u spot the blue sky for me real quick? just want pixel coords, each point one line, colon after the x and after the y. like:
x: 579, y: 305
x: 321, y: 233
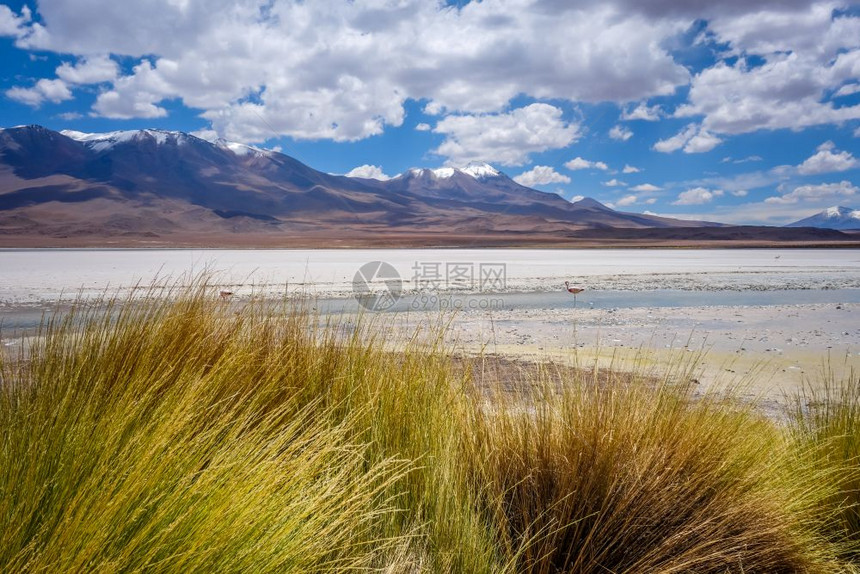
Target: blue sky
x: 738, y: 111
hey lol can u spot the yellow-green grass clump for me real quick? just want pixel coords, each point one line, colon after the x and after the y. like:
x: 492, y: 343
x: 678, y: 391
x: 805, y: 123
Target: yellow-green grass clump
x: 826, y: 425
x: 177, y: 433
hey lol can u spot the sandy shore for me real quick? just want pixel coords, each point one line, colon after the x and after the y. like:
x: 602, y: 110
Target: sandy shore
x: 770, y: 350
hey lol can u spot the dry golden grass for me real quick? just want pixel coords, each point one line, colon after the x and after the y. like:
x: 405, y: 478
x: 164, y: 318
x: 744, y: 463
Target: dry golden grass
x: 175, y: 433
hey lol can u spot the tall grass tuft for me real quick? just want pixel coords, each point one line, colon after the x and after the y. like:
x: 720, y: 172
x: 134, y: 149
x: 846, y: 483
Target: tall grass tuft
x: 628, y: 474
x: 172, y: 432
x: 171, y: 435
x: 826, y: 425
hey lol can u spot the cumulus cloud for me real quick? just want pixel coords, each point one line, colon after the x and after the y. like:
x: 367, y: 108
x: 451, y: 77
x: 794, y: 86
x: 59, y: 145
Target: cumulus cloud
x: 827, y: 160
x: 847, y: 90
x: 506, y: 138
x: 642, y: 112
x: 677, y: 141
x: 808, y: 51
x: 824, y: 191
x: 94, y: 70
x: 620, y: 133
x: 55, y: 91
x: 692, y: 139
x: 702, y: 142
x: 423, y: 127
x: 614, y: 183
x: 645, y: 187
x: 343, y: 70
x: 785, y: 93
x: 541, y: 175
x: 697, y: 196
x: 626, y: 200
x: 580, y: 163
x: 368, y: 172
x: 136, y: 95
x: 12, y: 24
x: 630, y: 169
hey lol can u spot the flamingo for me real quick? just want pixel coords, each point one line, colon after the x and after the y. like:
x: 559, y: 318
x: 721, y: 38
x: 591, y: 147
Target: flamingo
x: 574, y: 290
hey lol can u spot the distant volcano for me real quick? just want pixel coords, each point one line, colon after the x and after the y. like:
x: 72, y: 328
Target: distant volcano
x: 838, y: 217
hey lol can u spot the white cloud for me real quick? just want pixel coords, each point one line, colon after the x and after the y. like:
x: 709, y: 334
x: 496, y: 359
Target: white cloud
x: 807, y: 53
x: 739, y: 193
x: 748, y: 159
x: 824, y: 191
x: 576, y: 198
x: 580, y: 163
x: 507, y: 138
x: 645, y: 187
x: 677, y: 141
x: 696, y: 196
x: 368, y: 172
x: 642, y: 112
x: 847, y: 90
x: 55, y: 91
x: 693, y: 139
x: 12, y: 24
x: 702, y: 142
x: 626, y: 200
x: 651, y: 200
x: 826, y: 161
x: 541, y: 175
x: 786, y: 92
x: 620, y: 133
x: 614, y: 183
x: 136, y: 95
x: 422, y: 127
x: 630, y: 169
x: 343, y: 70
x: 92, y: 70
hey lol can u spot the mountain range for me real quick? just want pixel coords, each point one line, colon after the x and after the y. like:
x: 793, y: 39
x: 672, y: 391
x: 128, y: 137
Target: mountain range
x: 154, y: 187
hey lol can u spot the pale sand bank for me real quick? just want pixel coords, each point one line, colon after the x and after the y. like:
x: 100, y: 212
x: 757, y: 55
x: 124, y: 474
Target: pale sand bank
x: 771, y: 350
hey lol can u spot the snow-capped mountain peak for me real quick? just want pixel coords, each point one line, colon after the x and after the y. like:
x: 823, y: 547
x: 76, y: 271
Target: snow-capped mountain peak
x: 836, y: 217
x: 480, y: 170
x: 474, y: 170
x: 107, y: 140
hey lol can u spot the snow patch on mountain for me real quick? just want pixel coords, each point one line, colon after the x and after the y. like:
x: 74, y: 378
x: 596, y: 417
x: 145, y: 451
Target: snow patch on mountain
x: 480, y: 170
x: 241, y: 149
x: 474, y: 170
x: 107, y: 140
